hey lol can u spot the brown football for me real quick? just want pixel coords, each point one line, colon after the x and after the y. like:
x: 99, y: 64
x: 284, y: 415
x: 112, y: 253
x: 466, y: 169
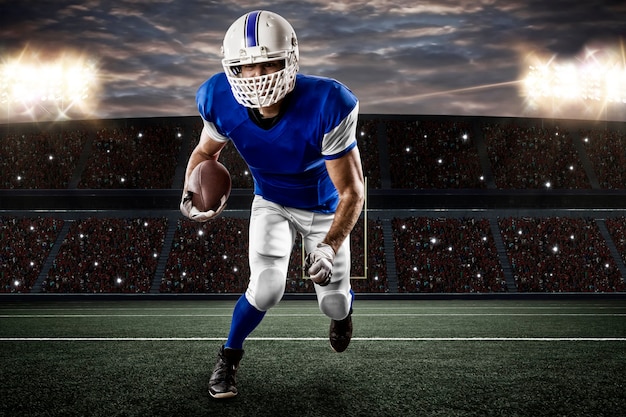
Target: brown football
x: 209, y: 183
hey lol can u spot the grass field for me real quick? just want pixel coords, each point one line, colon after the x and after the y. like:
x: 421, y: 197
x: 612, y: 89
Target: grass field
x: 408, y: 358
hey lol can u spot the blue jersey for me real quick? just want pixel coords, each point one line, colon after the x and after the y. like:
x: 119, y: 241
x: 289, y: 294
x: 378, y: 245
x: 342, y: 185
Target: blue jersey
x: 287, y: 161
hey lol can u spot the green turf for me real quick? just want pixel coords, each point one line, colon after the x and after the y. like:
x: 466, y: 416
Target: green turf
x: 423, y: 376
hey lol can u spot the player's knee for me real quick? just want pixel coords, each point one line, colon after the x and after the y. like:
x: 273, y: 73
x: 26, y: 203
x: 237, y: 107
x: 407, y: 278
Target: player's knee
x: 335, y: 305
x: 269, y: 289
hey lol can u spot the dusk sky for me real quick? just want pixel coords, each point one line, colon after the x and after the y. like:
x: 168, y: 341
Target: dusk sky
x: 399, y: 57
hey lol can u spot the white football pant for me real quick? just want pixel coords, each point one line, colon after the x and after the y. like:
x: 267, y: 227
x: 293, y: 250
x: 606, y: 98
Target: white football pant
x: 273, y: 231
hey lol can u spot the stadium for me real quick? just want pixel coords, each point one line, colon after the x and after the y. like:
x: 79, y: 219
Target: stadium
x: 489, y: 265
x: 513, y: 238
x: 455, y: 205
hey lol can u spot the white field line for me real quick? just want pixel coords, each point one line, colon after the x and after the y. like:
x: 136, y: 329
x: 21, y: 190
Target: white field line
x: 301, y: 308
x: 308, y: 339
x: 69, y: 316
x: 56, y: 315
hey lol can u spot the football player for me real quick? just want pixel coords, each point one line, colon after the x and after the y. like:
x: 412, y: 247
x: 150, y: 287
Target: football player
x: 297, y: 135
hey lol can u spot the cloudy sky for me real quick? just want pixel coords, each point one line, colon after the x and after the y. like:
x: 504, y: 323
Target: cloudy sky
x: 400, y: 57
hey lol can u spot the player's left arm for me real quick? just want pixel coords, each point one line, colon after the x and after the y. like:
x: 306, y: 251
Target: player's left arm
x: 346, y: 174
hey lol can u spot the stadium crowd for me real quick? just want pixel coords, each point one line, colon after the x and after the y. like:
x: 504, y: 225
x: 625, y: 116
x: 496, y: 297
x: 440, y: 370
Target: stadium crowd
x: 446, y: 255
x: 100, y: 254
x: 130, y: 157
x: 40, y: 160
x: 432, y: 255
x: 439, y: 154
x: 616, y: 227
x: 559, y: 254
x: 533, y: 157
x: 605, y: 149
x: 208, y: 257
x: 25, y: 245
x: 107, y: 255
x: 367, y: 136
x: 375, y: 278
x: 433, y: 154
x: 212, y: 257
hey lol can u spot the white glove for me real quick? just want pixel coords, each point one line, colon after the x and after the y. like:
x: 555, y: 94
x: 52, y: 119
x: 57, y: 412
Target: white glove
x: 188, y: 210
x: 319, y: 264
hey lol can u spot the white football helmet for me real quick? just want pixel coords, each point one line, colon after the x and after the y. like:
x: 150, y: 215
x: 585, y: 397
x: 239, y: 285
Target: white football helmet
x: 257, y: 37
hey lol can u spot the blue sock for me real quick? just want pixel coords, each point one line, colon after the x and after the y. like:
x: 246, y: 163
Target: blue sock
x: 245, y: 319
x: 351, y: 299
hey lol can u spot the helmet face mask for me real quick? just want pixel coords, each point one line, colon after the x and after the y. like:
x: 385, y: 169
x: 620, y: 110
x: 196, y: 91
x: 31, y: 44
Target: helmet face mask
x: 255, y: 38
x: 263, y: 90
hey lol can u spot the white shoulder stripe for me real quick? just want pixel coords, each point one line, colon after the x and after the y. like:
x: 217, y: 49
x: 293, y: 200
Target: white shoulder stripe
x: 210, y: 128
x: 342, y: 136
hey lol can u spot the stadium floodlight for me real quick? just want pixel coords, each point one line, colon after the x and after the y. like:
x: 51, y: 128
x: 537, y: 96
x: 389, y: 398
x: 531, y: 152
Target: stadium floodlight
x: 55, y: 82
x: 616, y: 85
x: 588, y: 80
x: 53, y: 87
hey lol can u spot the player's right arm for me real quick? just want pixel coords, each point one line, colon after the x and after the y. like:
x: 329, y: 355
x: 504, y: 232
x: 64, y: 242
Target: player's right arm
x: 207, y: 148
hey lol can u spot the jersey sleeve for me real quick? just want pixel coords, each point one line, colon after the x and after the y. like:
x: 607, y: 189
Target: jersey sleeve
x: 211, y: 129
x: 341, y: 108
x: 205, y: 100
x: 342, y: 138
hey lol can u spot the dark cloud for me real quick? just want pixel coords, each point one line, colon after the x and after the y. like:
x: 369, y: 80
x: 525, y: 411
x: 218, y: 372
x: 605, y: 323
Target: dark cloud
x: 445, y: 57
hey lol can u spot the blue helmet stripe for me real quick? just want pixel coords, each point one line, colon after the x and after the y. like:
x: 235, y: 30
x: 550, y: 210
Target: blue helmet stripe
x: 251, y: 29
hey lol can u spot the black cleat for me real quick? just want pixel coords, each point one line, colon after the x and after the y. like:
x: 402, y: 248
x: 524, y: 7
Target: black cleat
x: 223, y: 380
x: 340, y: 333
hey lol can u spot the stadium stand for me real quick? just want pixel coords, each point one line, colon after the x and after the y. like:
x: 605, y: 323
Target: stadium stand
x: 133, y: 157
x: 208, y: 257
x: 531, y: 157
x: 616, y: 227
x: 212, y: 257
x: 26, y: 242
x: 107, y: 217
x: 559, y: 255
x: 40, y: 160
x: 605, y: 149
x: 446, y: 255
x: 107, y: 255
x: 433, y: 154
x: 369, y: 133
